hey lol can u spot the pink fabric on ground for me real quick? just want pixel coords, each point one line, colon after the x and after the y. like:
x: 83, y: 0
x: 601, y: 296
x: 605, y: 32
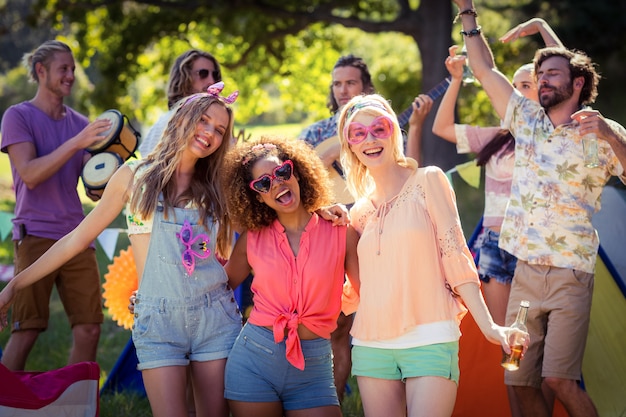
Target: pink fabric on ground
x: 68, y: 391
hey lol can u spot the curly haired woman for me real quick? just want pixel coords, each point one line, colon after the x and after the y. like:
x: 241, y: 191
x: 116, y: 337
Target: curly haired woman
x: 281, y: 362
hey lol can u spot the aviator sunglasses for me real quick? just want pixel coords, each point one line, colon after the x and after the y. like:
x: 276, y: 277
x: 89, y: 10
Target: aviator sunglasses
x: 203, y: 73
x: 381, y: 128
x: 281, y: 173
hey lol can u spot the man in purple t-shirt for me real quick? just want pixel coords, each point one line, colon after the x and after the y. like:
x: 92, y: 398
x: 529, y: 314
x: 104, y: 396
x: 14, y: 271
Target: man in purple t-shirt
x: 46, y: 142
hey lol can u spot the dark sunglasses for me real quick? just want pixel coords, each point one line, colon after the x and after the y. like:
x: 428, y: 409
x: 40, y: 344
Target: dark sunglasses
x: 281, y: 173
x: 203, y: 73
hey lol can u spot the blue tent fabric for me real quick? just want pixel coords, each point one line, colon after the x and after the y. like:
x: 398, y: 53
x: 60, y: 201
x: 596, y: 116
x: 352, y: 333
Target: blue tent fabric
x: 124, y: 376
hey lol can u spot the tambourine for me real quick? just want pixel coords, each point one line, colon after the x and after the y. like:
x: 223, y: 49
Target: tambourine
x: 119, y: 138
x: 98, y: 171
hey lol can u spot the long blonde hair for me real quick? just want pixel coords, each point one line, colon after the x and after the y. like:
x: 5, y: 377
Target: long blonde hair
x: 358, y: 178
x: 205, y: 190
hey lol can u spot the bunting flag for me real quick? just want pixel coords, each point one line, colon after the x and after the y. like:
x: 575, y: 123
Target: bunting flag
x: 6, y: 272
x: 6, y: 225
x: 108, y: 241
x: 468, y: 171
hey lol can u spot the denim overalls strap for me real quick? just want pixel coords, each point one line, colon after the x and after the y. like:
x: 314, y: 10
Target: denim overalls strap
x: 174, y: 240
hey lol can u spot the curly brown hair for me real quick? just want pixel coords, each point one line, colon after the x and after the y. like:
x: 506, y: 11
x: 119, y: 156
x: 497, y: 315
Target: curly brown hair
x: 245, y: 209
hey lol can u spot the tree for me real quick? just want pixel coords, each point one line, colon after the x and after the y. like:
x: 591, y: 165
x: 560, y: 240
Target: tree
x: 252, y: 34
x: 282, y: 50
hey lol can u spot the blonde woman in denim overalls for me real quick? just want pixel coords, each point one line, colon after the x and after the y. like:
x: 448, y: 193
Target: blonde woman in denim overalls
x: 185, y: 314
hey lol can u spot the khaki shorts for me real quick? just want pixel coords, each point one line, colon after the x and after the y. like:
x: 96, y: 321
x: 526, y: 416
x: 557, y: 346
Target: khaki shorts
x: 558, y: 322
x: 77, y: 281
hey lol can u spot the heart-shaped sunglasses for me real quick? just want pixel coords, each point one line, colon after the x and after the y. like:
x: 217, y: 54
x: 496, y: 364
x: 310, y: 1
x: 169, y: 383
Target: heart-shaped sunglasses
x: 283, y: 172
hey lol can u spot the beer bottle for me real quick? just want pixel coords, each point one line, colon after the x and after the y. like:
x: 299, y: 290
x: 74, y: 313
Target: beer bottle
x: 516, y: 340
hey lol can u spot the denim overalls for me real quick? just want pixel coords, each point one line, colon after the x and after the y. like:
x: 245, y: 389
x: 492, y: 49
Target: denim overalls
x: 181, y: 316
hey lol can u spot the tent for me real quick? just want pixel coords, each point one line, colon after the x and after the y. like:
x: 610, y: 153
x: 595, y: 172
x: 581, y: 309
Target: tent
x: 481, y: 388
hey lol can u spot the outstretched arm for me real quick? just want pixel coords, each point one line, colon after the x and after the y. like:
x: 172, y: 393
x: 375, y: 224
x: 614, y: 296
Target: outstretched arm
x: 495, y: 84
x: 531, y: 27
x: 112, y: 203
x: 443, y: 126
x: 421, y: 107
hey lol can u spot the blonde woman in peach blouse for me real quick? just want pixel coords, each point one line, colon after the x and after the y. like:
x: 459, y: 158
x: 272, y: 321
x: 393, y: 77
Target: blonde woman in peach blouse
x: 417, y: 275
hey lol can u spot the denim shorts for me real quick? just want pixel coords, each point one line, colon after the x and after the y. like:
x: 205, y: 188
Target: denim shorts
x: 257, y: 370
x: 440, y: 359
x: 494, y: 262
x: 173, y: 333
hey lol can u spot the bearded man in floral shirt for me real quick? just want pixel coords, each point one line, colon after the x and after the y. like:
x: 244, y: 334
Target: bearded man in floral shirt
x: 547, y: 224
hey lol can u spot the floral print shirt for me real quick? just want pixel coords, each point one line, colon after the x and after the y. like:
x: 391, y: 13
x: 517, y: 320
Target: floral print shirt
x: 553, y: 194
x: 319, y: 131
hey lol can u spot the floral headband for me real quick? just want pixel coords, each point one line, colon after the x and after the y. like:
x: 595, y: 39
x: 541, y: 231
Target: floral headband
x: 254, y: 149
x: 214, y: 91
x: 361, y: 105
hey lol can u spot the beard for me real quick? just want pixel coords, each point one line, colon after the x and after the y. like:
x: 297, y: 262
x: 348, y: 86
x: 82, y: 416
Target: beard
x: 557, y: 96
x: 56, y: 88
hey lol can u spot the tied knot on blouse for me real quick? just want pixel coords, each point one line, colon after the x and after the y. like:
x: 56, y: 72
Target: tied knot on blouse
x: 293, y: 348
x: 381, y: 214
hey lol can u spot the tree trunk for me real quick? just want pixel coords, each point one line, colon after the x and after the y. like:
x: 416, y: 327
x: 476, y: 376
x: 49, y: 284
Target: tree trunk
x: 432, y: 35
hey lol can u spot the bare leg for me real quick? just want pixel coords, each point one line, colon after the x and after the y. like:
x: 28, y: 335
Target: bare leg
x: 246, y: 409
x: 532, y: 402
x: 85, y: 343
x: 382, y: 397
x: 516, y: 410
x: 548, y: 394
x: 17, y: 349
x: 326, y: 411
x: 208, y: 386
x: 342, y: 359
x: 576, y: 401
x: 166, y: 390
x: 430, y: 396
x: 191, y: 404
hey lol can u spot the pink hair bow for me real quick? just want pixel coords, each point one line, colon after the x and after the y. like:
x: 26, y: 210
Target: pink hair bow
x: 217, y: 88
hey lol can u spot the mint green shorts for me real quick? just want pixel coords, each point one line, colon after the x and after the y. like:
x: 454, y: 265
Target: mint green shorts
x: 441, y: 359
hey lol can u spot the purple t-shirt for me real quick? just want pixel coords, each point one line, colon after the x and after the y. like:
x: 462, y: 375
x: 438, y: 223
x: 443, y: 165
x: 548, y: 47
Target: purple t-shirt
x: 52, y: 209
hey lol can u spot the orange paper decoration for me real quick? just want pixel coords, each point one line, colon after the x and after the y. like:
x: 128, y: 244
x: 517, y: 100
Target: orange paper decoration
x: 119, y: 283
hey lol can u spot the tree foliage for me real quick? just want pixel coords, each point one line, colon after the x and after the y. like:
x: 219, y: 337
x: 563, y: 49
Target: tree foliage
x: 279, y: 53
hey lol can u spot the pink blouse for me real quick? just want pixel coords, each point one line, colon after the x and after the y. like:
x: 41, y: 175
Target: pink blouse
x: 412, y: 256
x: 290, y: 290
